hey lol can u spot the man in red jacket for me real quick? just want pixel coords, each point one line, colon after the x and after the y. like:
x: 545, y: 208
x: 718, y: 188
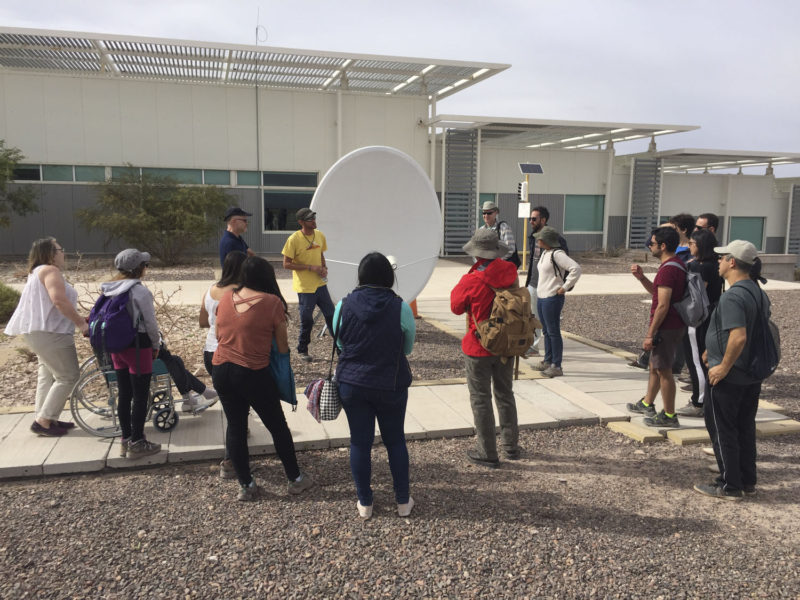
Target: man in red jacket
x: 473, y: 295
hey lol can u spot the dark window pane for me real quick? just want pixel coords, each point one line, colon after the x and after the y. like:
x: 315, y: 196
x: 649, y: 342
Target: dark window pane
x: 281, y: 179
x: 57, y: 172
x: 119, y: 172
x: 27, y: 173
x: 214, y: 177
x: 280, y: 209
x: 90, y: 173
x: 179, y: 175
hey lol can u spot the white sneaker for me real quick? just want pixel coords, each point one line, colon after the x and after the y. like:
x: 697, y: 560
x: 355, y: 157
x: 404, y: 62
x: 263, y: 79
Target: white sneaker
x: 404, y: 510
x: 365, y: 512
x: 197, y: 403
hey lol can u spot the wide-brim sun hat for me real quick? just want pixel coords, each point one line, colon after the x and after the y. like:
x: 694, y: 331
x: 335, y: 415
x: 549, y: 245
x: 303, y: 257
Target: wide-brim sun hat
x: 485, y: 244
x: 549, y: 236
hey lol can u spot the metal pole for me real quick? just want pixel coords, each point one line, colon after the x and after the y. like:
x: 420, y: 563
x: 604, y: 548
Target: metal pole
x: 525, y: 229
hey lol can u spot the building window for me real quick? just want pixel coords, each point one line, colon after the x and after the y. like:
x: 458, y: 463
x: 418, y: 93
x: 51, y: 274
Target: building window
x: 56, y: 173
x: 247, y: 178
x: 583, y: 213
x: 120, y: 172
x: 280, y: 209
x: 287, y: 179
x: 747, y: 228
x: 95, y: 174
x: 213, y: 177
x: 27, y: 173
x: 184, y: 176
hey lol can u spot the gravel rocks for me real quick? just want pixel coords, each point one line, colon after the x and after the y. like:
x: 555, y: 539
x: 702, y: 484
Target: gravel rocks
x: 586, y: 513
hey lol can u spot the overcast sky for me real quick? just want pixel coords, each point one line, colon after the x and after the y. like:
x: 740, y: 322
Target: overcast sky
x: 729, y: 66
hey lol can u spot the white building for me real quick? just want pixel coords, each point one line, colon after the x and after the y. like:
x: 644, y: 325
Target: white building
x: 267, y: 123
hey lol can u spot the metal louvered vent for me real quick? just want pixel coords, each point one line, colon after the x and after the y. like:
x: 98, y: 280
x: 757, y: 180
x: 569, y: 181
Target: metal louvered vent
x: 794, y: 222
x: 461, y: 156
x: 645, y: 200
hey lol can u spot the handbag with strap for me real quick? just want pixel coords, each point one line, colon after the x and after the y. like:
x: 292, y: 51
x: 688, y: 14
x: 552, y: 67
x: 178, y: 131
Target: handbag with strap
x: 324, y: 403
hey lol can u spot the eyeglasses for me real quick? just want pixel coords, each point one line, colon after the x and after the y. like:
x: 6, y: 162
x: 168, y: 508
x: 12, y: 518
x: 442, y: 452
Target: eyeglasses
x: 534, y: 218
x: 62, y: 250
x: 488, y: 212
x: 651, y: 244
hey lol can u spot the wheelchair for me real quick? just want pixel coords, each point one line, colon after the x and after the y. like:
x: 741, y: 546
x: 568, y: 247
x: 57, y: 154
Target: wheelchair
x: 93, y: 401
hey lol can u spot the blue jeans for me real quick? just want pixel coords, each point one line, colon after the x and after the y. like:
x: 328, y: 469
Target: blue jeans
x: 550, y: 316
x: 307, y: 302
x: 362, y: 405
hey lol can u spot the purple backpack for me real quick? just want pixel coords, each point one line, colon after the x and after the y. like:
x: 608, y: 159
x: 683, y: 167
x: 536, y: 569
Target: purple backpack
x: 111, y: 328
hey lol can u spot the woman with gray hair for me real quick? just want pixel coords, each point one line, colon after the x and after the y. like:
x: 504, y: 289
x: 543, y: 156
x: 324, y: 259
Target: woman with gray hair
x: 46, y: 317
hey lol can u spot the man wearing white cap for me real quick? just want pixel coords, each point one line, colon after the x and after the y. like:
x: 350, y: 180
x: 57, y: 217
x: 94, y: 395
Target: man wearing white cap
x: 731, y: 411
x: 503, y: 230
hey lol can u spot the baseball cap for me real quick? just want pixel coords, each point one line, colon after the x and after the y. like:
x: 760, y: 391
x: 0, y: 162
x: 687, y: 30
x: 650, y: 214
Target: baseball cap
x: 235, y: 211
x: 306, y: 214
x: 740, y: 250
x: 130, y: 259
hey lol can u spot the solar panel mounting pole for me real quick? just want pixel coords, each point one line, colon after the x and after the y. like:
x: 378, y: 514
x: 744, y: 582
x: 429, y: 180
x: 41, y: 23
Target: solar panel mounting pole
x: 526, y: 169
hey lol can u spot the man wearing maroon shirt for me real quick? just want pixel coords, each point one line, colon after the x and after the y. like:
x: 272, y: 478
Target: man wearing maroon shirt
x: 666, y: 327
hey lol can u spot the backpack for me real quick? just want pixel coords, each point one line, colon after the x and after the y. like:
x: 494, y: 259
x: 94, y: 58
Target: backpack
x: 111, y: 328
x: 693, y: 307
x: 765, y: 347
x: 514, y: 258
x: 509, y: 329
x: 556, y: 270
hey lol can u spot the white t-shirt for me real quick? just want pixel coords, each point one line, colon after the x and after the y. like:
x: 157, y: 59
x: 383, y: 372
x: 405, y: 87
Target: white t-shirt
x: 211, y: 308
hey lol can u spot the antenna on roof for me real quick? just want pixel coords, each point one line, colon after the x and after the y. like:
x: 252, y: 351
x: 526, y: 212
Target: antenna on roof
x: 260, y: 29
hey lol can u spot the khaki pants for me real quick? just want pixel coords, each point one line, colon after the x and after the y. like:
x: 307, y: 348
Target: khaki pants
x: 58, y: 371
x: 484, y: 373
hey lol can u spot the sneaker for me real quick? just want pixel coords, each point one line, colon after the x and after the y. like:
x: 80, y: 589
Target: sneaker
x: 512, y: 454
x: 662, y: 420
x: 142, y: 448
x: 365, y: 512
x: 715, y: 491
x: 642, y: 408
x: 542, y: 365
x: 304, y: 356
x: 249, y: 492
x: 713, y: 468
x: 123, y: 446
x: 690, y: 410
x: 404, y: 510
x: 531, y: 352
x: 197, y: 403
x: 226, y: 470
x: 52, y: 431
x: 301, y: 484
x: 553, y: 371
x: 475, y: 458
x: 638, y: 364
x: 750, y: 490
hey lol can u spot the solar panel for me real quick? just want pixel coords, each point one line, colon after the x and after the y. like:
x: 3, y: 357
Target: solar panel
x: 530, y: 168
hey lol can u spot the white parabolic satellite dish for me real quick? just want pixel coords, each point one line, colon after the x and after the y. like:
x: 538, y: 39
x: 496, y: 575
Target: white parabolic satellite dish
x: 378, y: 199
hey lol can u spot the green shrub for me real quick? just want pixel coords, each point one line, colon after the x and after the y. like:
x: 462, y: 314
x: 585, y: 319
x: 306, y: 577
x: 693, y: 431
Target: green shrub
x: 9, y: 298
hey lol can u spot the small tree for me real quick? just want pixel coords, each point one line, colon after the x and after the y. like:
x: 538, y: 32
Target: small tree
x: 157, y: 215
x: 19, y: 201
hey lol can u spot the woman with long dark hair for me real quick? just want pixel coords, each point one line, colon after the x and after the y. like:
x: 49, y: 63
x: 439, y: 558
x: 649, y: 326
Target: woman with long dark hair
x: 248, y: 317
x: 375, y: 330
x: 704, y: 261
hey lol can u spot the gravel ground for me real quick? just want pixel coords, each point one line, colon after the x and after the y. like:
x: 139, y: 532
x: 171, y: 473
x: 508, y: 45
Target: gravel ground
x: 587, y: 513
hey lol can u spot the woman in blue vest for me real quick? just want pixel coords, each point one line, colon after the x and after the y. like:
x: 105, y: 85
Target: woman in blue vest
x: 375, y: 331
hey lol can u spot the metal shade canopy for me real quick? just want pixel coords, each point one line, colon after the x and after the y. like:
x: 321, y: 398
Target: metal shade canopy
x: 132, y: 57
x: 695, y: 159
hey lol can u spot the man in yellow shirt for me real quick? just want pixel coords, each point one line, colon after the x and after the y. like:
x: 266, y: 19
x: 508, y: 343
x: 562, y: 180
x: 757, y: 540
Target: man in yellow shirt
x: 303, y: 255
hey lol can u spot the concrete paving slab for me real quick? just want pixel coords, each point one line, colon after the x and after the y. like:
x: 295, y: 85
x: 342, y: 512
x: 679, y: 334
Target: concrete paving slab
x: 560, y: 408
x: 617, y: 384
x: 198, y: 437
x: 636, y: 431
x: 259, y: 442
x: 768, y: 415
x: 306, y: 432
x: 584, y: 401
x: 8, y: 422
x: 529, y: 415
x: 767, y: 405
x: 22, y: 453
x: 685, y: 437
x: 435, y: 415
x: 337, y: 432
x: 77, y: 452
x: 781, y: 427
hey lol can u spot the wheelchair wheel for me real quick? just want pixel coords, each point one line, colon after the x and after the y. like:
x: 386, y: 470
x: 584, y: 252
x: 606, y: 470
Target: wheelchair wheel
x: 165, y: 419
x: 160, y: 400
x: 94, y: 404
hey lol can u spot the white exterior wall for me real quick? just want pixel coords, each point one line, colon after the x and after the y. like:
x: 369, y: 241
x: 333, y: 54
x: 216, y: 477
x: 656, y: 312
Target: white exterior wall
x: 725, y: 196
x: 565, y: 171
x: 97, y: 121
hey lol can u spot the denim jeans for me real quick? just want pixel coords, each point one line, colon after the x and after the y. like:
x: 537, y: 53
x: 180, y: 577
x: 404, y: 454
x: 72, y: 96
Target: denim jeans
x: 362, y: 405
x: 239, y: 388
x: 307, y: 302
x: 550, y: 316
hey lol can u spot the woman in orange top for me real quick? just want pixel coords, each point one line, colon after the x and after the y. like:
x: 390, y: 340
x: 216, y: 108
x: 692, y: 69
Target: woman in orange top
x: 247, y: 319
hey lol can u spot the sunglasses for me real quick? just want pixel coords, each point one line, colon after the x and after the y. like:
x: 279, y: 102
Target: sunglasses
x: 488, y: 212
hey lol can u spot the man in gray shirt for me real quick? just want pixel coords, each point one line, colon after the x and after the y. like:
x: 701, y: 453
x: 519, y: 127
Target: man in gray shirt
x: 731, y: 412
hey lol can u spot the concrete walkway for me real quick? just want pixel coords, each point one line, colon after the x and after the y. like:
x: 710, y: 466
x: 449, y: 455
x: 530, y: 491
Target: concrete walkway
x: 595, y: 388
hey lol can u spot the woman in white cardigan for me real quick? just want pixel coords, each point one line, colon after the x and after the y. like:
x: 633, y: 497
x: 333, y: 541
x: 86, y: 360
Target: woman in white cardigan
x: 558, y: 274
x: 46, y: 318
